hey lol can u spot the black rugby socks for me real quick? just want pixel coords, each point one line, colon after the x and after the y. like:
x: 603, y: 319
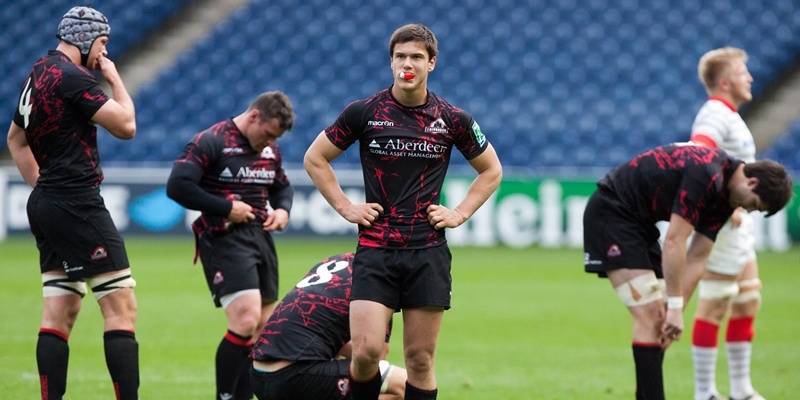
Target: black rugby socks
x: 369, y: 389
x: 122, y: 359
x: 52, y: 358
x: 414, y: 393
x: 649, y: 376
x: 232, y: 367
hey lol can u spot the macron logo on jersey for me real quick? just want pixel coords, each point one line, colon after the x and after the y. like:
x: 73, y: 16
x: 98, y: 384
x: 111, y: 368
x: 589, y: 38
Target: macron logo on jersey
x: 380, y: 123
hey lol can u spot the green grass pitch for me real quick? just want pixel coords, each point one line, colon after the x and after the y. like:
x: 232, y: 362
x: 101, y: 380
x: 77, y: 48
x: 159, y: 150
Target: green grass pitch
x: 525, y: 324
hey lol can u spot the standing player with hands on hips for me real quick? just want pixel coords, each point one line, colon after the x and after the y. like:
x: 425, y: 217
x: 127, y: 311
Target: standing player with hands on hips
x: 53, y: 140
x: 406, y: 135
x: 231, y: 172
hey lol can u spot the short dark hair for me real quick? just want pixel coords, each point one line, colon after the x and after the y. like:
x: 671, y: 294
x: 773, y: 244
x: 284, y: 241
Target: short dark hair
x: 272, y: 105
x: 415, y: 33
x: 775, y: 187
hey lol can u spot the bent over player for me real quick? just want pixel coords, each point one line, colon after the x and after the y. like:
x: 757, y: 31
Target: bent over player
x: 303, y: 352
x: 406, y: 135
x: 730, y: 280
x: 53, y: 140
x: 695, y: 188
x: 232, y: 172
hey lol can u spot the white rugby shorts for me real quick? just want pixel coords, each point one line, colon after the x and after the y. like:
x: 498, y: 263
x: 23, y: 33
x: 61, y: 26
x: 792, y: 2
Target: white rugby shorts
x: 734, y: 247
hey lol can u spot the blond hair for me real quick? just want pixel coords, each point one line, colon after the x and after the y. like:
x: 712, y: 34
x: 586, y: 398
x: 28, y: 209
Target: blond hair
x: 715, y: 64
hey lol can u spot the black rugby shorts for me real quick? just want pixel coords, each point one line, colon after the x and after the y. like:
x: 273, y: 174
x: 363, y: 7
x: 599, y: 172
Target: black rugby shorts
x: 304, y: 380
x: 401, y: 279
x: 75, y: 233
x: 613, y: 239
x: 242, y: 258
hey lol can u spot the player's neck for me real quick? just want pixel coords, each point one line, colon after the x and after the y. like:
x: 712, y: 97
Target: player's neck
x: 70, y: 51
x: 411, y: 98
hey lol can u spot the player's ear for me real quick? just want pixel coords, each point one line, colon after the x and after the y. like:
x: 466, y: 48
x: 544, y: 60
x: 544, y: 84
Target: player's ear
x: 432, y: 64
x: 254, y: 116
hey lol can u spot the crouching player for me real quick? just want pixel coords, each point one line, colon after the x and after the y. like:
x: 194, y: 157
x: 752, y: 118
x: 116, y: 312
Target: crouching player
x: 303, y: 352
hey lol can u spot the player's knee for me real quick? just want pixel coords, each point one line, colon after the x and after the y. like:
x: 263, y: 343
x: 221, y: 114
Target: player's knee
x: 717, y: 290
x: 749, y: 292
x: 61, y: 285
x: 104, y: 285
x: 641, y: 290
x: 419, y: 360
x: 367, y: 356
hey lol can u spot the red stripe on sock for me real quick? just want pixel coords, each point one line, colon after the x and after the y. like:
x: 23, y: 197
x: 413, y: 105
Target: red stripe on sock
x: 645, y: 344
x: 239, y: 341
x: 704, y: 334
x: 740, y: 330
x: 352, y: 378
x: 56, y: 332
x: 45, y: 389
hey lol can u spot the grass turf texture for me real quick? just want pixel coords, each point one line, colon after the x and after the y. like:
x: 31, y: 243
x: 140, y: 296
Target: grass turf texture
x: 525, y: 324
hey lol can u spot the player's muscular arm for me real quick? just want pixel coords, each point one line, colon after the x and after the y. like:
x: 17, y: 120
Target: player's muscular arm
x: 22, y: 155
x: 674, y: 265
x: 490, y: 173
x: 118, y: 115
x: 317, y: 163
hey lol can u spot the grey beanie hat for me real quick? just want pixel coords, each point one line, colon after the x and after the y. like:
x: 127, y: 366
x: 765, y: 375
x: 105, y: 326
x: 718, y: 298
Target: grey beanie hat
x: 80, y: 26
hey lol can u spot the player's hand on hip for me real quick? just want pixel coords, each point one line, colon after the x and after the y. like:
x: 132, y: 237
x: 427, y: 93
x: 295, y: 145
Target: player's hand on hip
x: 363, y: 214
x: 442, y: 217
x: 276, y: 220
x: 241, y: 212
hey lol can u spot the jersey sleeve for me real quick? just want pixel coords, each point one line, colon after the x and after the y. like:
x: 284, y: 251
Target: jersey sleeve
x: 469, y: 139
x: 201, y: 151
x: 281, y: 193
x: 348, y: 127
x: 80, y: 88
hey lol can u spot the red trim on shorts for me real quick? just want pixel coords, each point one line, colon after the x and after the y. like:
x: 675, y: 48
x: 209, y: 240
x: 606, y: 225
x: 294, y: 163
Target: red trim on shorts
x: 740, y: 330
x: 55, y: 332
x: 704, y: 334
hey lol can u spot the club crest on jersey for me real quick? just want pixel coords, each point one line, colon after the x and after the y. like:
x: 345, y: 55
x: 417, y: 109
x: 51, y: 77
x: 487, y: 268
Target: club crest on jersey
x: 268, y: 153
x: 614, y: 251
x: 99, y: 253
x: 218, y: 278
x: 344, y: 386
x: 437, y: 126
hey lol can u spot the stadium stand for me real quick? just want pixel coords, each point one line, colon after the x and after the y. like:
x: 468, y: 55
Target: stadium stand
x: 579, y: 83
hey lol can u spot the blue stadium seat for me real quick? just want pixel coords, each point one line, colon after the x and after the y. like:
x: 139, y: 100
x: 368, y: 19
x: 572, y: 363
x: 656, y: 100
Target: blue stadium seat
x: 563, y: 83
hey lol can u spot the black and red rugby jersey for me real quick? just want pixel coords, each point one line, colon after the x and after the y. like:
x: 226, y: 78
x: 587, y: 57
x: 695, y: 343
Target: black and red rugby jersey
x: 405, y: 153
x: 312, y: 322
x: 681, y: 178
x: 226, y: 165
x: 56, y: 106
